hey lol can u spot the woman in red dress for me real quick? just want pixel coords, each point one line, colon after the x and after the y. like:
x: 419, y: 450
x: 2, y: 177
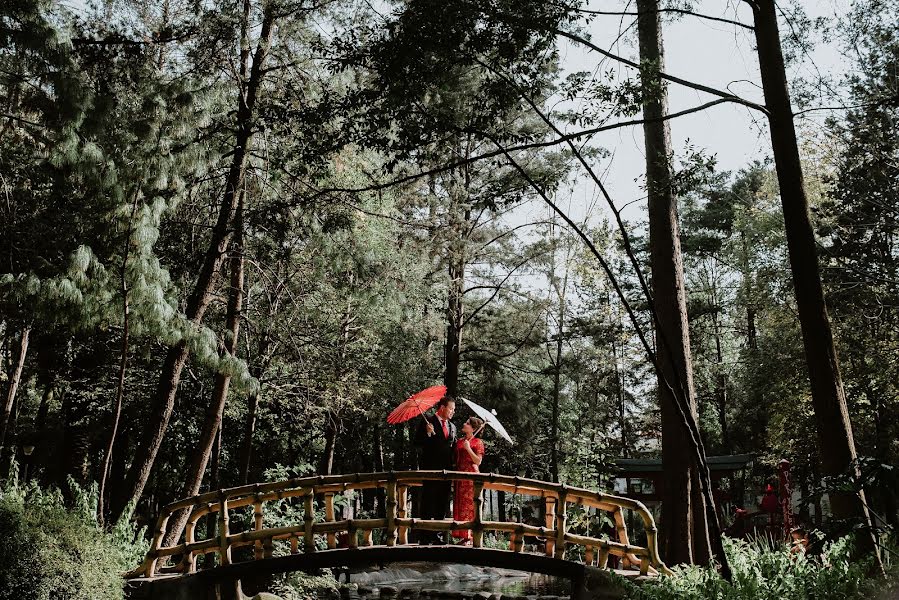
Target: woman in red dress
x: 469, y: 454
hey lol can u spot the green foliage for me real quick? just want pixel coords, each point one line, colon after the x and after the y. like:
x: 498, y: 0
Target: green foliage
x: 52, y: 550
x: 300, y: 586
x: 762, y: 571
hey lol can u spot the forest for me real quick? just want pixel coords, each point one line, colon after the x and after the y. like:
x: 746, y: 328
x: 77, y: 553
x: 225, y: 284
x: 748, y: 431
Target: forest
x: 235, y: 234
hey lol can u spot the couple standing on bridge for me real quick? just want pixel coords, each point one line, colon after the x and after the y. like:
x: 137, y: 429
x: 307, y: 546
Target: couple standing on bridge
x: 436, y: 436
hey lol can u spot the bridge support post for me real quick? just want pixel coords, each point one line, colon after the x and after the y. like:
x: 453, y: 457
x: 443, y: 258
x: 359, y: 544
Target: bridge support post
x: 257, y: 525
x: 329, y: 518
x: 477, y: 533
x: 390, y: 513
x: 153, y: 555
x: 549, y: 521
x: 561, y: 526
x: 402, y: 503
x: 224, y: 546
x: 308, y: 518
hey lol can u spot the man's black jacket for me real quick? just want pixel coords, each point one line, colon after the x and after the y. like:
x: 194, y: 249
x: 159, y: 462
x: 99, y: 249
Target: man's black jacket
x: 437, y: 451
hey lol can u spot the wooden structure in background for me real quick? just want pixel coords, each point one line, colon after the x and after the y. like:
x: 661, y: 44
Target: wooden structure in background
x: 635, y: 471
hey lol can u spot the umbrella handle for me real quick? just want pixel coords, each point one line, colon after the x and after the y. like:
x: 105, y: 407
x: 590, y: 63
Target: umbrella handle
x: 422, y: 414
x: 480, y: 429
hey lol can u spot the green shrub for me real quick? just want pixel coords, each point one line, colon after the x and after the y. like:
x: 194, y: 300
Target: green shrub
x: 52, y: 552
x: 761, y: 572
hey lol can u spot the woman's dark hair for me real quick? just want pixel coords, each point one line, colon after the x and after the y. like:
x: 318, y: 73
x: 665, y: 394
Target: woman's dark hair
x: 445, y: 400
x: 475, y: 423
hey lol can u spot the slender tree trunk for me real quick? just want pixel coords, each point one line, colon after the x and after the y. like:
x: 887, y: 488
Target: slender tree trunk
x: 123, y: 367
x: 334, y: 423
x: 116, y: 414
x: 257, y: 368
x: 43, y: 409
x: 751, y: 334
x: 454, y: 315
x: 214, y: 483
x: 460, y: 217
x: 212, y: 423
x: 249, y: 430
x: 176, y: 357
x: 326, y: 465
x: 836, y: 446
x: 721, y: 387
x: 684, y: 536
x: 14, y: 381
x: 619, y: 390
x: 557, y: 378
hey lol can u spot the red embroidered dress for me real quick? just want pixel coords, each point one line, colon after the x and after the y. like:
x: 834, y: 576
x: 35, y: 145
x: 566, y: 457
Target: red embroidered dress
x: 463, y: 501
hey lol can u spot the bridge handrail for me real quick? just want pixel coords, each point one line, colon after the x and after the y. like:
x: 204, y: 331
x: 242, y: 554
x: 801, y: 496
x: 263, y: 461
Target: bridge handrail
x: 396, y: 522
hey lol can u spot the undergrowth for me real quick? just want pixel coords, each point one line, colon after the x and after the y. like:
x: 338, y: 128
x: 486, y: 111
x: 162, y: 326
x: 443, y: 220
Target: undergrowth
x: 763, y: 571
x: 52, y: 551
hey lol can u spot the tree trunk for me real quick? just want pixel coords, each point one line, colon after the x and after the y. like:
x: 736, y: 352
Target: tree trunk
x: 684, y: 535
x: 721, y: 387
x: 176, y: 357
x: 459, y: 216
x: 747, y: 275
x: 836, y: 445
x: 212, y: 423
x: 249, y: 430
x: 116, y: 412
x: 619, y: 390
x: 43, y: 409
x: 123, y: 367
x: 454, y: 314
x: 214, y: 483
x: 557, y: 378
x: 14, y: 381
x: 326, y: 464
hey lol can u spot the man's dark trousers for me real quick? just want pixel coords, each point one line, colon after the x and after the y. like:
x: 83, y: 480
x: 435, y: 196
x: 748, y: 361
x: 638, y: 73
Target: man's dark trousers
x: 437, y: 454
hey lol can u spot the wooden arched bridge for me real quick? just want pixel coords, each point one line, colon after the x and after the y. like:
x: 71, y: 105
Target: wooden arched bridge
x: 246, y: 541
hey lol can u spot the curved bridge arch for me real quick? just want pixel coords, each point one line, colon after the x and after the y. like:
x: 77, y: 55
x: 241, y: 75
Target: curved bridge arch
x: 313, y: 542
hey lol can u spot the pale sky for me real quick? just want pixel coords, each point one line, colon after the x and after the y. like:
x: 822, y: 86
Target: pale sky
x: 716, y: 54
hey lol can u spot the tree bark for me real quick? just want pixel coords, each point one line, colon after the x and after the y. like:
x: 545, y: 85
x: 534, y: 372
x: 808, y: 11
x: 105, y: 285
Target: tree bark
x: 684, y: 534
x: 214, y: 483
x: 249, y: 431
x: 116, y: 414
x: 326, y: 464
x: 123, y: 367
x: 454, y: 315
x: 212, y: 423
x: 836, y: 446
x: 14, y: 381
x: 460, y: 216
x: 721, y: 386
x: 557, y: 377
x: 176, y: 357
x: 619, y: 391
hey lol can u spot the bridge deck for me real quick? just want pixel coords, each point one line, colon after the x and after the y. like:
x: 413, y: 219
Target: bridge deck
x: 587, y: 581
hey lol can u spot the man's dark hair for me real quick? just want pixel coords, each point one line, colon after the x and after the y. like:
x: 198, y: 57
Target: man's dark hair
x: 445, y: 400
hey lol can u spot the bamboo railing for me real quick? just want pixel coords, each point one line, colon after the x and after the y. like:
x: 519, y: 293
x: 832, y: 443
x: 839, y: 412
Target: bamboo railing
x: 322, y: 528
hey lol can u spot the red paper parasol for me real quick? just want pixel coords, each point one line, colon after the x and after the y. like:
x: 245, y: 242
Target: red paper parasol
x: 417, y: 404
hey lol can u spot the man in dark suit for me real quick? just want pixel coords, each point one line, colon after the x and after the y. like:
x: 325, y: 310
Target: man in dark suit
x: 437, y: 439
